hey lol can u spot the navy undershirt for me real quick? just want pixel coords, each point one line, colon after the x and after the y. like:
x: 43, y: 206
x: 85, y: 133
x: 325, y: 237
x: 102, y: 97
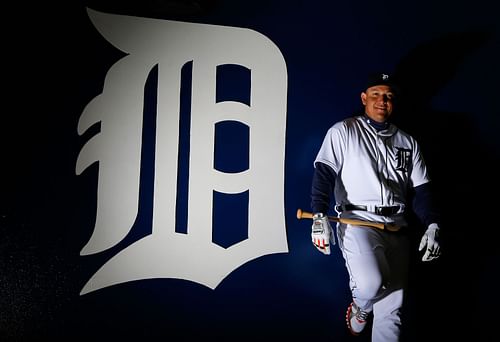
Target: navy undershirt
x: 323, y: 183
x: 377, y: 125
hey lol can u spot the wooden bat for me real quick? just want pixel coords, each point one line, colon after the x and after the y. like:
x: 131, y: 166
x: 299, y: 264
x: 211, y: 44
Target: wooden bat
x: 387, y: 226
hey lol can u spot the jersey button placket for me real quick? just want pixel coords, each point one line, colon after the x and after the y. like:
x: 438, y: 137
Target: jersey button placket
x: 382, y: 168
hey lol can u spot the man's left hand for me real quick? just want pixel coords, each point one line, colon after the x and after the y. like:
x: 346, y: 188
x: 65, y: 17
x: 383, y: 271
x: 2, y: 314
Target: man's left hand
x: 430, y: 240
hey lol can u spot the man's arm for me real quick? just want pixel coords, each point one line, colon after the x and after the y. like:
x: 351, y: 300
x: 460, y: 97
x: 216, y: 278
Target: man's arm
x: 426, y: 211
x: 424, y: 205
x: 323, y: 183
x: 321, y: 192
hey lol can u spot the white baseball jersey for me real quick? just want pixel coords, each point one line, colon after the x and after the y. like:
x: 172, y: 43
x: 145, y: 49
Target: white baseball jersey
x: 373, y: 168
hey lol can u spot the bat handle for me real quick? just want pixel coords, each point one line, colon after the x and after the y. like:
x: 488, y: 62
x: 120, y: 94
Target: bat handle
x: 306, y: 215
x: 303, y: 214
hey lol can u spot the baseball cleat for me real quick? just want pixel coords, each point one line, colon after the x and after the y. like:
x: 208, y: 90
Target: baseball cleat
x: 356, y: 319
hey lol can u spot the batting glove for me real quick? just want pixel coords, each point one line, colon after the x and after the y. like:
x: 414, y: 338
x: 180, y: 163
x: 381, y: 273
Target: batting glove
x: 322, y: 233
x: 430, y: 240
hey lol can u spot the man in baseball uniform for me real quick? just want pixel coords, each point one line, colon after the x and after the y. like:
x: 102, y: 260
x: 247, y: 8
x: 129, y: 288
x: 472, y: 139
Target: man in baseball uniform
x: 370, y: 167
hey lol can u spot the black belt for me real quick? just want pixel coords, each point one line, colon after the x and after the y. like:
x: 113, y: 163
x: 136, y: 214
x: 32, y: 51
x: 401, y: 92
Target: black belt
x: 384, y: 211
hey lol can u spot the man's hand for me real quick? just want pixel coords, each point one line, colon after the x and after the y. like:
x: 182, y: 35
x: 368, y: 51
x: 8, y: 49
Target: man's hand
x: 322, y: 233
x: 430, y: 240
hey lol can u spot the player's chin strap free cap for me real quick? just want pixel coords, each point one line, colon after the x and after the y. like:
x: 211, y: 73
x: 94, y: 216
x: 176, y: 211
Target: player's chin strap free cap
x: 383, y: 211
x: 380, y: 78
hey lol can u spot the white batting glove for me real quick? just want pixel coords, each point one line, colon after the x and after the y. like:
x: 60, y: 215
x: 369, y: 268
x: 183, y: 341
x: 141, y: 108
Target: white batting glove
x: 430, y: 240
x: 322, y: 233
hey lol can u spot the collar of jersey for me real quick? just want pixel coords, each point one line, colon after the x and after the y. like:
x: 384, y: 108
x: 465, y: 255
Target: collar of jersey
x: 385, y: 132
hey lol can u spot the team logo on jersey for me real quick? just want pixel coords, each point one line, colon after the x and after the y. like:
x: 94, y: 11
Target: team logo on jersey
x: 403, y: 158
x: 167, y: 46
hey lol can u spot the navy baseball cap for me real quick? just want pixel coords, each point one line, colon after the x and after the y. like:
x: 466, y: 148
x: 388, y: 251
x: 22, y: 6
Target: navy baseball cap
x: 381, y: 78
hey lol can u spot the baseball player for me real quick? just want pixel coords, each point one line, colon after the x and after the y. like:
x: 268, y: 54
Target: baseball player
x: 370, y: 167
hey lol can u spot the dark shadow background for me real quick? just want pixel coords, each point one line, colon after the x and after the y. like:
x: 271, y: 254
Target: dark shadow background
x: 445, y: 56
x: 463, y: 167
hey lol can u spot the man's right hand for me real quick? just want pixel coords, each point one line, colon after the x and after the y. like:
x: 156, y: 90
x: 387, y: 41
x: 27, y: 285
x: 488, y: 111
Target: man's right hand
x: 322, y: 233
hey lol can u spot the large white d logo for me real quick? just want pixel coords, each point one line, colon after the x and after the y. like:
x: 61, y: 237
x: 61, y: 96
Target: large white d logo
x: 117, y: 148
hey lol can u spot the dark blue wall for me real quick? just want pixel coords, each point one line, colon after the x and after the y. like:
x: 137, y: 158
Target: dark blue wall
x: 446, y: 54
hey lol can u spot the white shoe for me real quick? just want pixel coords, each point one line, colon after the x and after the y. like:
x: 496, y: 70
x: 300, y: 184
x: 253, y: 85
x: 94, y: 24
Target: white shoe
x: 356, y: 319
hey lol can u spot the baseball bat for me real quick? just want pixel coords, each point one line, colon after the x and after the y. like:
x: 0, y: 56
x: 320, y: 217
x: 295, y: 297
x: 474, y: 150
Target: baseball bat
x: 391, y: 227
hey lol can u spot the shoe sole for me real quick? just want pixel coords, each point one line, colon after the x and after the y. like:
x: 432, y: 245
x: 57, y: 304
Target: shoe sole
x: 348, y: 321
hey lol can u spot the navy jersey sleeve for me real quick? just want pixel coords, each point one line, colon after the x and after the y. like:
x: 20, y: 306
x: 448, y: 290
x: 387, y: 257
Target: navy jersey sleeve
x: 424, y: 205
x: 323, y: 183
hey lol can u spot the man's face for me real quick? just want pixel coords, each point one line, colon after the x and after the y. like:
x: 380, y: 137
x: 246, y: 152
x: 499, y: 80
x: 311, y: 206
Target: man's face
x: 378, y: 102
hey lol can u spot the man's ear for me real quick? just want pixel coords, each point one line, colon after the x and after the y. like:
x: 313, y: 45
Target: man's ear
x: 363, y: 98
